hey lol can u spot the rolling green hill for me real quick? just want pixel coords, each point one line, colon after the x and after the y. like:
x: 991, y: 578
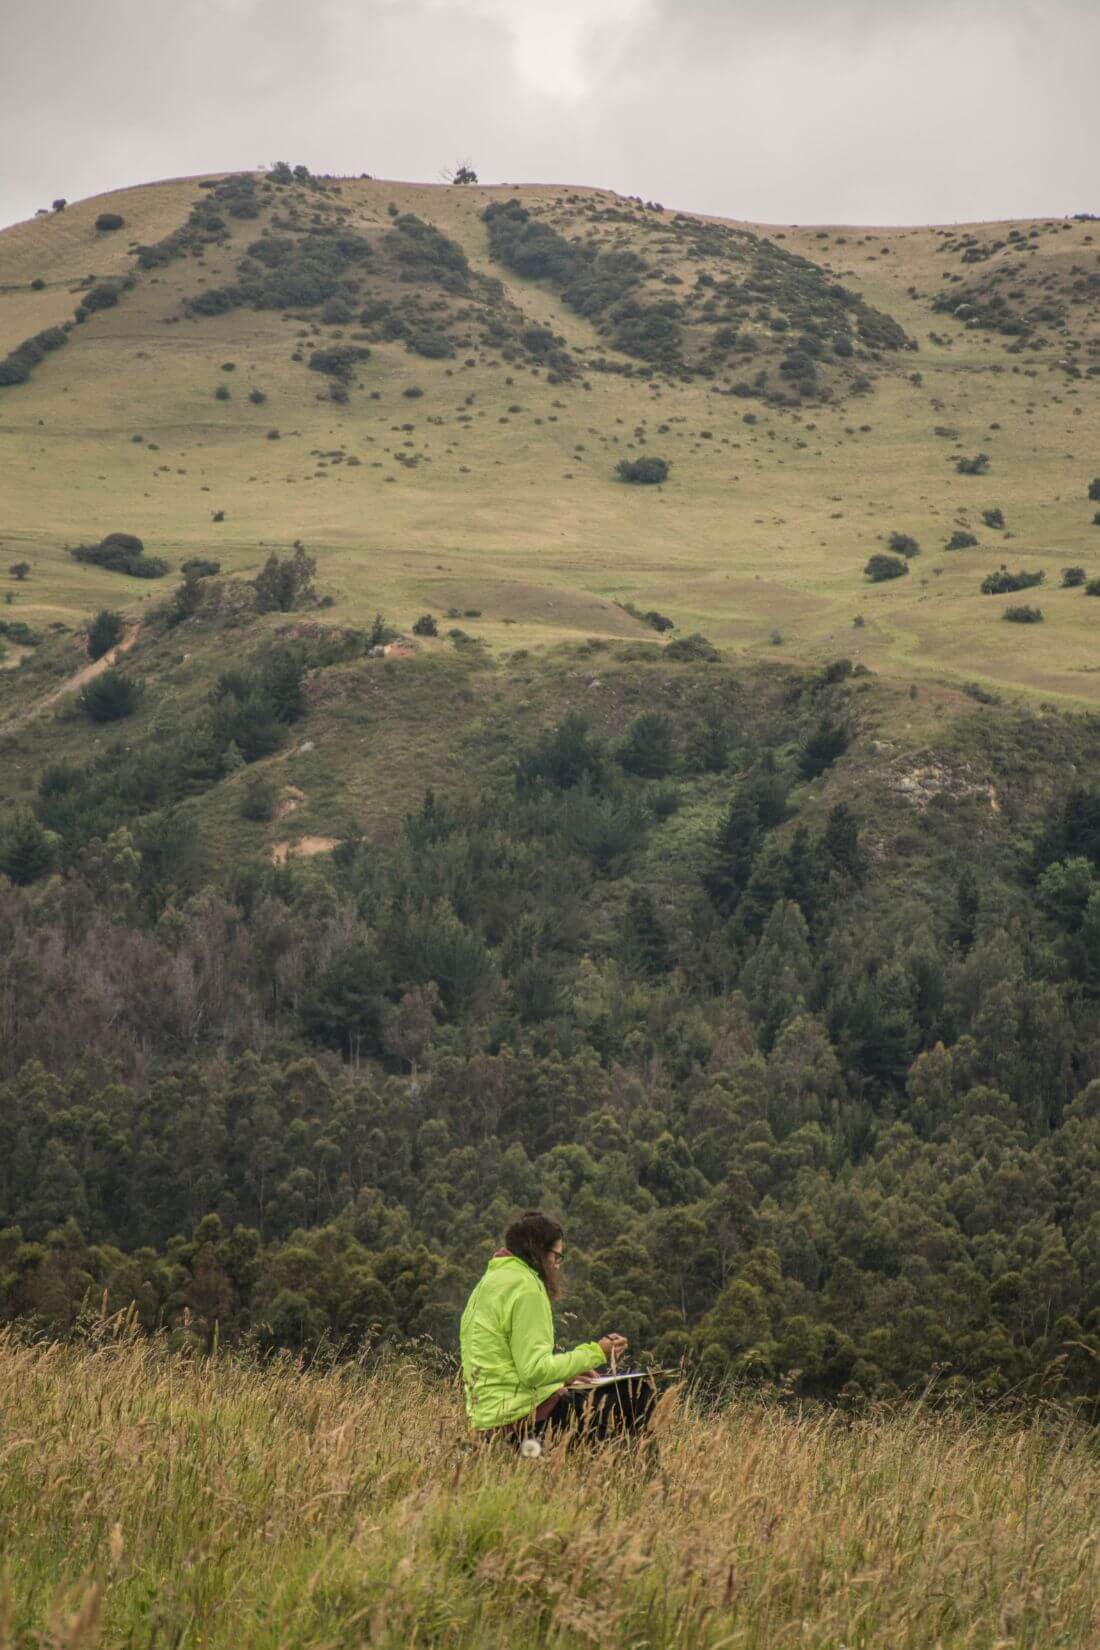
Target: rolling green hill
x: 451, y: 822
x: 812, y: 389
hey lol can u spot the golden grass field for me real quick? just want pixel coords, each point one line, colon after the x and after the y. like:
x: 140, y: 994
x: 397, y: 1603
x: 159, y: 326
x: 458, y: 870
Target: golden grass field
x: 760, y: 529
x: 151, y: 1499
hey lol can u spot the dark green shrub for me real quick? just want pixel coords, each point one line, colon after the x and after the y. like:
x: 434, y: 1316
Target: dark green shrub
x: 339, y: 361
x: 38, y: 284
x: 649, y: 748
x: 187, y: 598
x: 108, y: 221
x: 19, y: 570
x: 1094, y: 488
x: 110, y: 697
x: 565, y: 756
x: 200, y: 567
x: 218, y: 301
x: 14, y: 630
x: 664, y: 801
x: 1023, y: 615
x: 103, y: 296
x: 15, y: 368
x: 122, y: 553
x: 222, y: 393
x: 646, y: 472
x: 423, y: 253
x: 693, y: 649
x: 837, y: 670
x: 1093, y: 587
x: 822, y: 746
x: 994, y: 518
x: 252, y: 707
x: 285, y: 583
x: 709, y: 745
x: 259, y: 797
x: 606, y: 830
x: 1072, y: 577
x: 430, y: 343
x: 655, y: 620
x: 881, y: 567
x: 27, y: 850
x: 903, y: 544
x: 961, y: 541
x: 425, y: 626
x: 976, y: 466
x: 1001, y: 582
x: 257, y: 397
x: 104, y: 632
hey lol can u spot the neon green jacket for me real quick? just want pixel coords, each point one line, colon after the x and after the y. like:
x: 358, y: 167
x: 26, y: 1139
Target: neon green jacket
x: 509, y: 1365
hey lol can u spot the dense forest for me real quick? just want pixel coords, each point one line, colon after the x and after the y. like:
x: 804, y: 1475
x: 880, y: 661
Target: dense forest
x: 804, y: 1051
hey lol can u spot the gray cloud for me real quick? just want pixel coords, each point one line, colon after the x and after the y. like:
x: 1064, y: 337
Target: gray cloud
x: 775, y: 110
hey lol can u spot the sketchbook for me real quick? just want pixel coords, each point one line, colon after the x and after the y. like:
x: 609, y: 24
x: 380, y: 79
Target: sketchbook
x: 623, y: 1375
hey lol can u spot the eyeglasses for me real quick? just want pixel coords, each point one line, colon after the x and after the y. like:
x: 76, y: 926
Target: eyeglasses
x: 556, y: 1255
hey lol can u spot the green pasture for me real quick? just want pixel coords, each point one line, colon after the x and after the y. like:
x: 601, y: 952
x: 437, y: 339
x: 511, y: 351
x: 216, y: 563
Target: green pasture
x: 758, y: 539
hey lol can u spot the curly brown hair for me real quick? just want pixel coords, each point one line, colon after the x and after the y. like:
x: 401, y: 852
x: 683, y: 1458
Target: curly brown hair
x: 531, y: 1236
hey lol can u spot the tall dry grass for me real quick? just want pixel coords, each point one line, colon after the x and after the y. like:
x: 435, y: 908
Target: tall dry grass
x: 150, y: 1500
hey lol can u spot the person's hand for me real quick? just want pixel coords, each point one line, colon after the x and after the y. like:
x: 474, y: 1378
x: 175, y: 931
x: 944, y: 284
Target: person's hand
x: 612, y: 1346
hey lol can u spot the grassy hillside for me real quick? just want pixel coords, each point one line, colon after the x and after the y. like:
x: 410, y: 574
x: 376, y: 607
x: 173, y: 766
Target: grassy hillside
x: 146, y: 1499
x: 642, y: 333
x: 640, y: 880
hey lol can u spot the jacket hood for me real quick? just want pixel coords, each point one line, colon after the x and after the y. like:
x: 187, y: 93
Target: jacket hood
x: 498, y: 1262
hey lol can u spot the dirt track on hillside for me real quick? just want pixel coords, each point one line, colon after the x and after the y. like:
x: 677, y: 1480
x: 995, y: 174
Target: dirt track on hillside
x: 304, y: 848
x: 74, y: 683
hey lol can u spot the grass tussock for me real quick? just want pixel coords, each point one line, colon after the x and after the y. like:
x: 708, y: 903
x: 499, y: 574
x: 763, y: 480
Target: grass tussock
x: 146, y: 1499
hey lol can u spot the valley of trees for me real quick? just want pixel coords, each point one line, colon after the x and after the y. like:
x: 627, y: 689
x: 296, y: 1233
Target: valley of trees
x: 811, y: 1074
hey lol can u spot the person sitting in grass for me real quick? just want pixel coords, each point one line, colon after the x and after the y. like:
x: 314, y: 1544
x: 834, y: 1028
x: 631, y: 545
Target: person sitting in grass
x: 516, y: 1385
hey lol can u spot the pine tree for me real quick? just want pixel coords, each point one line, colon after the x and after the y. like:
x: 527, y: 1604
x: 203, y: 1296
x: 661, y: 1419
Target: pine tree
x: 647, y: 946
x: 28, y: 851
x: 709, y: 746
x: 967, y: 905
x: 649, y: 748
x: 840, y: 844
x: 734, y: 852
x: 103, y: 632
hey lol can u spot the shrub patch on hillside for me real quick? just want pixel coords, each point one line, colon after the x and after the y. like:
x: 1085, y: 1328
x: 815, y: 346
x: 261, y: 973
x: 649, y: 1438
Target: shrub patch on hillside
x: 751, y: 297
x: 122, y: 553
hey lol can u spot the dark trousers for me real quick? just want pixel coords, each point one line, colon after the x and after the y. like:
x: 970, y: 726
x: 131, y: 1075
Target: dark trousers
x: 600, y: 1412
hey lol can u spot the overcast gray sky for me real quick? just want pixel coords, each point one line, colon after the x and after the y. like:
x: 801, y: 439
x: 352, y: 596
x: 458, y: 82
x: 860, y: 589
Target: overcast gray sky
x: 857, y: 111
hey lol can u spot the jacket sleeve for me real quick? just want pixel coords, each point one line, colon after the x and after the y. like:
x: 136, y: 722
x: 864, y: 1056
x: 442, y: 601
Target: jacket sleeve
x: 531, y: 1343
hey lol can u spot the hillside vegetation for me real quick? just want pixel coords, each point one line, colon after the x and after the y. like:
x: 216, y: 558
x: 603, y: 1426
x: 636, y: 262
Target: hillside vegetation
x: 149, y: 1499
x: 434, y: 388
x: 780, y: 986
x: 446, y: 823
